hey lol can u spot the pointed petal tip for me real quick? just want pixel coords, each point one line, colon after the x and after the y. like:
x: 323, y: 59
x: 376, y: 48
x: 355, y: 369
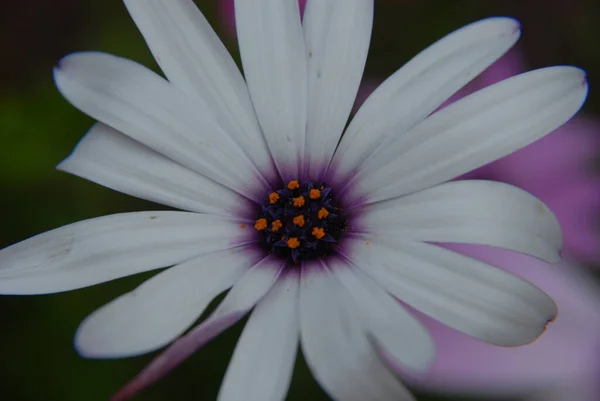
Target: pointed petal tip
x: 89, y: 346
x: 61, y: 63
x: 555, y: 257
x: 65, y: 64
x: 578, y: 77
x: 504, y: 26
x: 552, y: 316
x: 65, y: 61
x: 63, y: 165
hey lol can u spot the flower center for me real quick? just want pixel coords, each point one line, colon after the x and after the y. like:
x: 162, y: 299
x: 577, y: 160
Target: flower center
x: 300, y: 222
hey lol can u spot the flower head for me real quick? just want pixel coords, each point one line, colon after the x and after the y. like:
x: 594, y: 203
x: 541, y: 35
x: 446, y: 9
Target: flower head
x: 322, y: 262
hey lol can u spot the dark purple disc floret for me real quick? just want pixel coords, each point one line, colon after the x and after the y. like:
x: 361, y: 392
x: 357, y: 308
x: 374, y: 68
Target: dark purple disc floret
x: 301, y: 221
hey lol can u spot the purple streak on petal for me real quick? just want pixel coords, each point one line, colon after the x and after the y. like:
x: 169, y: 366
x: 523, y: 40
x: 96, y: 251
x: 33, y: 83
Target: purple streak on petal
x: 367, y: 86
x: 180, y: 350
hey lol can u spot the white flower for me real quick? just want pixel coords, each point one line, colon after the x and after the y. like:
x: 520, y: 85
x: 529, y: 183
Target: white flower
x: 240, y: 158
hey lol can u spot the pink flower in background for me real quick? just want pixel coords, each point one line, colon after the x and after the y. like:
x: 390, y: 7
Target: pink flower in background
x: 562, y: 365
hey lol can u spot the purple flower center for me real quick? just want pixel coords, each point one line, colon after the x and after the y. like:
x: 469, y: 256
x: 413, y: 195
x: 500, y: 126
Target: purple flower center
x: 300, y: 222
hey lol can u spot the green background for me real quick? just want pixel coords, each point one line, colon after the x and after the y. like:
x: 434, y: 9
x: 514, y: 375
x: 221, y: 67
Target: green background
x: 38, y: 129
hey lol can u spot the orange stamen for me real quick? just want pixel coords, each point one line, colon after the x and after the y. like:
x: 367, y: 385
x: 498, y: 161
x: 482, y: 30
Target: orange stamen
x: 260, y: 224
x: 273, y: 197
x: 293, y: 184
x: 299, y: 201
x: 276, y: 225
x: 299, y: 221
x: 322, y: 213
x: 314, y: 194
x: 293, y: 243
x: 318, y: 232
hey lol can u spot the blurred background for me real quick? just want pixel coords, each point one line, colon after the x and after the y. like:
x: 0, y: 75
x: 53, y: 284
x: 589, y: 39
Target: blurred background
x: 38, y: 128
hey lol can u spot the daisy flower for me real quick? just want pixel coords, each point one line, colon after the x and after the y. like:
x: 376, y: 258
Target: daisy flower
x: 317, y: 234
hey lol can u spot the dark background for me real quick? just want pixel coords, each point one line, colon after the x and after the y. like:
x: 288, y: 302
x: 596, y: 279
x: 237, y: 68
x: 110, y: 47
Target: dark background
x: 38, y: 129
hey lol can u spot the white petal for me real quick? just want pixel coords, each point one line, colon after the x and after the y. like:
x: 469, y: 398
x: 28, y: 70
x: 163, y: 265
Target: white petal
x: 274, y: 59
x: 420, y: 86
x: 105, y: 248
x: 475, y: 130
x: 194, y: 59
x: 397, y: 333
x: 474, y: 211
x: 335, y: 345
x: 468, y: 295
x: 112, y: 159
x: 337, y: 41
x: 263, y: 360
x: 163, y: 307
x: 247, y: 292
x: 146, y: 107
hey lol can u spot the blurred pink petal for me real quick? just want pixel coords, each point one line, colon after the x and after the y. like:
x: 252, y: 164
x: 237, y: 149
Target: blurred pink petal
x: 565, y: 357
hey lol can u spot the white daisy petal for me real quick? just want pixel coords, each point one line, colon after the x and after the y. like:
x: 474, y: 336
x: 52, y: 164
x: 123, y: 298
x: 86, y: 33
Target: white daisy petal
x: 420, y: 86
x: 274, y: 58
x: 144, y: 106
x: 474, y: 211
x: 476, y: 130
x: 337, y: 41
x: 263, y: 360
x: 245, y: 294
x: 335, y: 345
x: 195, y: 60
x: 163, y: 307
x: 468, y: 295
x: 105, y: 248
x: 112, y: 159
x: 396, y: 332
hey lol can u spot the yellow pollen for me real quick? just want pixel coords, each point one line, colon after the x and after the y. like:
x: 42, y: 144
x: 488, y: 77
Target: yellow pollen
x: 293, y: 184
x: 322, y: 213
x: 242, y: 226
x: 318, y: 232
x: 314, y: 194
x: 293, y: 243
x: 276, y: 225
x: 260, y: 224
x: 299, y: 201
x: 273, y: 197
x: 299, y: 221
